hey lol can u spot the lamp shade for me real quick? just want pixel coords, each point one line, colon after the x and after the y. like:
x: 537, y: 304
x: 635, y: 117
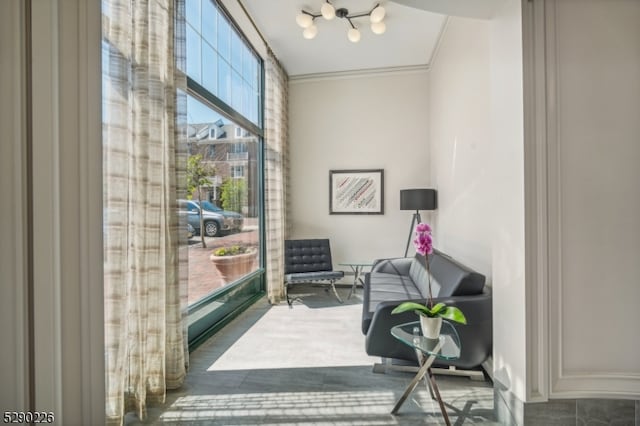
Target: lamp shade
x: 377, y: 14
x: 378, y: 28
x: 418, y: 199
x: 328, y: 11
x: 304, y: 20
x: 310, y: 32
x: 353, y: 35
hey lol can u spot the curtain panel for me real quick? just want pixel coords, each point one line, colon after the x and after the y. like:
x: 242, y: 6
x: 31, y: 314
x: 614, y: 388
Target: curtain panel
x: 144, y: 162
x: 276, y: 172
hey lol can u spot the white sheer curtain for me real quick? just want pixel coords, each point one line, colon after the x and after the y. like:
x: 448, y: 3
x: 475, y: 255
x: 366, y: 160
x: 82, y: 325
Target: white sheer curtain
x: 145, y: 270
x: 276, y: 171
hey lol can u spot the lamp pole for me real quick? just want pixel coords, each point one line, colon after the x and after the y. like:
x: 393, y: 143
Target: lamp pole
x: 416, y: 219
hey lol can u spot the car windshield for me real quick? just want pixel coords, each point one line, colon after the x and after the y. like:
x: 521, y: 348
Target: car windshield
x: 210, y: 207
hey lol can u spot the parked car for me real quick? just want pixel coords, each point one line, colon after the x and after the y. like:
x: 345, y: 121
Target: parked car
x: 216, y: 220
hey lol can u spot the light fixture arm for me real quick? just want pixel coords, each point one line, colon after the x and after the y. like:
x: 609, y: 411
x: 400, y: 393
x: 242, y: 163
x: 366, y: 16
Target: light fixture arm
x: 343, y: 13
x: 313, y: 15
x: 360, y: 15
x: 376, y: 13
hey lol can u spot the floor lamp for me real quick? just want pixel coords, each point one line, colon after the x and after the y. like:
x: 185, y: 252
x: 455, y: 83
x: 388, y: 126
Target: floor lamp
x: 417, y: 199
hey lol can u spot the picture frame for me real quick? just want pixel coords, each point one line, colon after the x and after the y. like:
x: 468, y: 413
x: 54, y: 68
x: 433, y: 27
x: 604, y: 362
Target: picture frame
x: 356, y: 191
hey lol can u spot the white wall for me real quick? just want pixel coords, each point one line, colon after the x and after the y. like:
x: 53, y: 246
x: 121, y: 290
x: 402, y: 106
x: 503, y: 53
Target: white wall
x: 365, y: 122
x: 594, y: 153
x: 13, y: 266
x: 508, y: 253
x: 461, y: 149
x: 476, y: 116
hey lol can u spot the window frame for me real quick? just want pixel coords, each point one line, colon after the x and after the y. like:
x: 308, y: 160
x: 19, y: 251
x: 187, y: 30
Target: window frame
x: 199, y: 330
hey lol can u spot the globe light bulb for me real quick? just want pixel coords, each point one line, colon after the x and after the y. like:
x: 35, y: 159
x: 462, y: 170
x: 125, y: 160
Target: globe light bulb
x: 304, y: 20
x: 378, y: 27
x: 310, y: 32
x: 377, y: 15
x: 353, y: 35
x: 328, y: 11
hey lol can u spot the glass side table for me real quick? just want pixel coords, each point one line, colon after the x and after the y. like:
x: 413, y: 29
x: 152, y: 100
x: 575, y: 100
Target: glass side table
x: 447, y: 347
x: 356, y: 267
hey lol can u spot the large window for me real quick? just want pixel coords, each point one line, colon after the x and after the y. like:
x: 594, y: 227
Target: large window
x: 220, y: 60
x: 224, y: 122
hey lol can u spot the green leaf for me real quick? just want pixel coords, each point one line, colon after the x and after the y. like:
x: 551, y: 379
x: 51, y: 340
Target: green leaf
x: 437, y: 308
x: 454, y: 314
x: 410, y: 306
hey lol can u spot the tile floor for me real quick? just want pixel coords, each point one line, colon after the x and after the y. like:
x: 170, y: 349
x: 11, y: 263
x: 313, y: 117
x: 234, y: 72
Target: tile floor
x: 275, y: 365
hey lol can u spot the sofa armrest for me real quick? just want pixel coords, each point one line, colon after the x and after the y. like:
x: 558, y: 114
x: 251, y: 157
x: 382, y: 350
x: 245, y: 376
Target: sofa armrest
x: 476, y: 336
x: 476, y: 308
x: 378, y: 338
x: 396, y: 266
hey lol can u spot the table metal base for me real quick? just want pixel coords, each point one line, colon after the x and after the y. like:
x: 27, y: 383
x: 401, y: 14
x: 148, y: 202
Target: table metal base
x: 425, y: 369
x: 357, y: 271
x: 386, y: 365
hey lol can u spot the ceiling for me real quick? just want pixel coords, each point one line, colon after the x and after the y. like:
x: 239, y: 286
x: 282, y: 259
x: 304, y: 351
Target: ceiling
x: 412, y: 35
x: 479, y: 9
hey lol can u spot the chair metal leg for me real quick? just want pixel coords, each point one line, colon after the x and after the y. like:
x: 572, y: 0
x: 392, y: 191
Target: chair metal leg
x: 286, y: 293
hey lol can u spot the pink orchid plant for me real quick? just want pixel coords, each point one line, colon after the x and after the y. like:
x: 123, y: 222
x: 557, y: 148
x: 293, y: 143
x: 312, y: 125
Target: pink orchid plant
x: 424, y: 246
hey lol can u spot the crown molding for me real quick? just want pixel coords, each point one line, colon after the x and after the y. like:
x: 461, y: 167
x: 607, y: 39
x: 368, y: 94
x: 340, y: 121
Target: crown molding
x: 376, y: 72
x: 436, y: 48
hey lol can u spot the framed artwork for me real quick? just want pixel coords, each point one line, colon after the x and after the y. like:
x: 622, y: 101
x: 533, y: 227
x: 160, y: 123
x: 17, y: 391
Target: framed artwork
x: 356, y: 191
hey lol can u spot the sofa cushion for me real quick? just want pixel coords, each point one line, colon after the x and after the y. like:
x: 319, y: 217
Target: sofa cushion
x: 381, y: 287
x: 391, y: 287
x: 451, y: 278
x: 448, y: 277
x: 419, y: 275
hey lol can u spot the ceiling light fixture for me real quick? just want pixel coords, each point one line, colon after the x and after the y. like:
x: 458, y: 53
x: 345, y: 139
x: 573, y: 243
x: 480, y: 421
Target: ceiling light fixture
x: 327, y: 11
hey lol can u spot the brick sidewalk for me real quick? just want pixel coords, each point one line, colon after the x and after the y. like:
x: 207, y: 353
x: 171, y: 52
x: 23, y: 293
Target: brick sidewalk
x: 203, y: 276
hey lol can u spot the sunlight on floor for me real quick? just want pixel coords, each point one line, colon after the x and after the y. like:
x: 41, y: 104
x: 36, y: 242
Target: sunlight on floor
x: 299, y: 337
x: 335, y: 408
x: 250, y: 407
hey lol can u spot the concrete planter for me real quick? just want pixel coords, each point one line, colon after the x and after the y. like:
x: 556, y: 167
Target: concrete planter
x: 233, y: 267
x: 430, y: 326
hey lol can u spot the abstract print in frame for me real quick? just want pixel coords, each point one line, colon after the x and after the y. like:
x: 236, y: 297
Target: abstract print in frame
x: 356, y: 191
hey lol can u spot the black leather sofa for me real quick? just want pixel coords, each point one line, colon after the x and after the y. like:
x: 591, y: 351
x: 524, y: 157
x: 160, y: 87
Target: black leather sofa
x: 393, y: 281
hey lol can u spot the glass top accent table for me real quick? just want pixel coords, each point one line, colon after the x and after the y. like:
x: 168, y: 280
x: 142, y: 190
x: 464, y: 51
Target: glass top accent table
x: 447, y: 346
x: 356, y: 267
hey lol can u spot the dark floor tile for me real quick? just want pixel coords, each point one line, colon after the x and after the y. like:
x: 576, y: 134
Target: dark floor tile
x: 593, y: 412
x: 551, y: 413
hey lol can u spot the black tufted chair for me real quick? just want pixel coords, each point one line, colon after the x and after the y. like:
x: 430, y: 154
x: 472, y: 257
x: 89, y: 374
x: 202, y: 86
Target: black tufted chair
x: 309, y: 261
